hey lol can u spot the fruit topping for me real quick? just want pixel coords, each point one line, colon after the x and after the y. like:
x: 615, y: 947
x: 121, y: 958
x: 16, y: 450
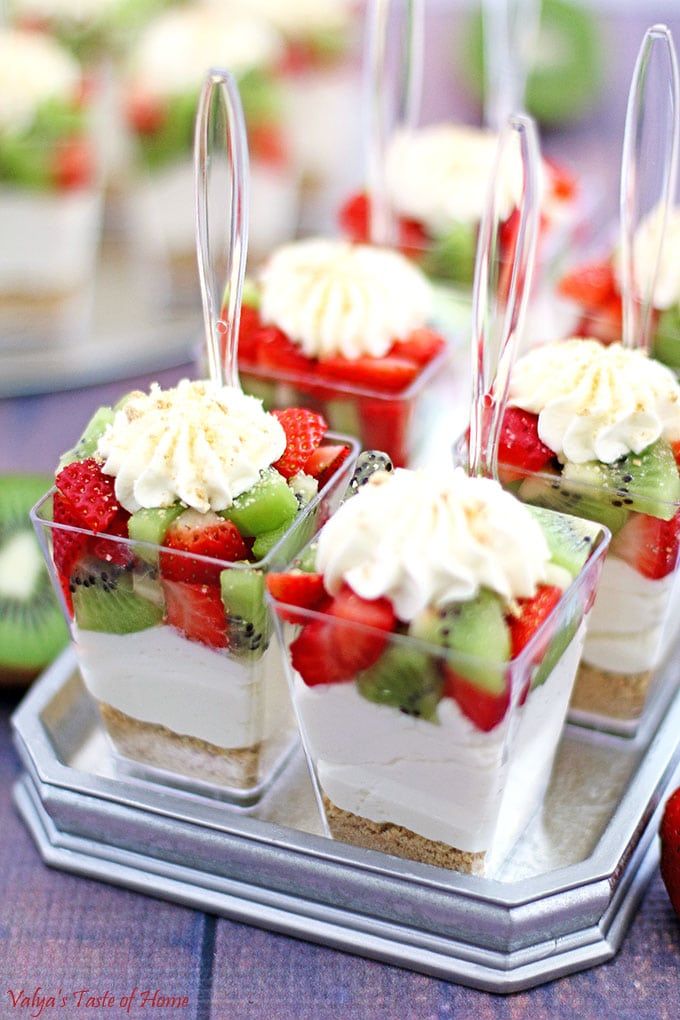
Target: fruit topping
x: 325, y: 461
x: 275, y: 351
x: 649, y: 545
x: 520, y: 445
x: 90, y: 494
x: 570, y: 539
x: 670, y: 849
x: 592, y: 285
x: 297, y: 588
x: 385, y: 426
x: 574, y: 498
x: 483, y: 708
x: 421, y: 346
x: 200, y: 535
x: 242, y: 592
x: 151, y: 525
x: 368, y: 463
x: 267, y: 505
x: 104, y: 600
x: 304, y: 432
x: 385, y: 375
x: 196, y: 611
x: 405, y: 678
x: 532, y: 612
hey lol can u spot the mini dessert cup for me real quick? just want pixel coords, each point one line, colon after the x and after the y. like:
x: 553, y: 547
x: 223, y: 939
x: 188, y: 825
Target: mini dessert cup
x: 452, y: 779
x: 187, y: 674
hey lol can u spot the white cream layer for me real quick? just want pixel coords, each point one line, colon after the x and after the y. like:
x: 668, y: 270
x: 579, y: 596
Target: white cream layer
x: 634, y: 619
x: 446, y: 781
x: 157, y: 676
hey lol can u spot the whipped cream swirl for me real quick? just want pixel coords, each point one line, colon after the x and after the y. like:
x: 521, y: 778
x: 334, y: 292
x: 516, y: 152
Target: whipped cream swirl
x: 427, y: 537
x: 595, y: 402
x: 336, y: 298
x: 197, y: 443
x: 33, y: 70
x: 645, y: 251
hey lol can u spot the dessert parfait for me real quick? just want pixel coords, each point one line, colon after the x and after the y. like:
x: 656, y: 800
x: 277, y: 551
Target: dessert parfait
x: 433, y: 635
x: 163, y: 521
x: 437, y: 179
x: 90, y: 30
x: 344, y: 329
x: 595, y: 288
x: 594, y: 431
x: 164, y: 79
x: 49, y: 196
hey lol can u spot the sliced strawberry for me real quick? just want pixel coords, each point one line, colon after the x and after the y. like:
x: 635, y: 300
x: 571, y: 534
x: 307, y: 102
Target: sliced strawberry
x: 145, y: 114
x: 314, y: 655
x: 275, y: 351
x: 532, y: 614
x: 74, y: 164
x: 115, y: 552
x: 267, y: 143
x: 304, y: 431
x: 520, y: 445
x: 421, y: 346
x: 357, y: 648
x: 385, y: 426
x: 67, y: 546
x: 384, y: 375
x: 413, y: 238
x: 484, y: 710
x: 325, y: 461
x: 592, y: 286
x: 670, y: 849
x: 297, y: 588
x: 249, y: 331
x: 676, y: 451
x: 648, y: 544
x: 220, y: 540
x: 90, y: 493
x: 354, y: 217
x: 196, y: 611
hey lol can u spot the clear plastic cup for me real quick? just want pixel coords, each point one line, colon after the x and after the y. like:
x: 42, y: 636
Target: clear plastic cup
x: 189, y: 693
x: 439, y: 788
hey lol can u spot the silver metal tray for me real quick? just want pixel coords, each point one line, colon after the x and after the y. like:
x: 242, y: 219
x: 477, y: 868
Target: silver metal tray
x: 562, y: 902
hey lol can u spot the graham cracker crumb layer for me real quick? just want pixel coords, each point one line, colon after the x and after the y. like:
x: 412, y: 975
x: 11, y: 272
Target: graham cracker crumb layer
x: 398, y: 841
x: 156, y: 745
x: 617, y: 695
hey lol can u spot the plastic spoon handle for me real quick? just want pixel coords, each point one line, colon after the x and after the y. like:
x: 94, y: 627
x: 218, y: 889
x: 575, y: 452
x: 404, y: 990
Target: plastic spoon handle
x: 510, y: 29
x: 656, y: 59
x: 497, y: 323
x: 223, y: 370
x: 383, y: 109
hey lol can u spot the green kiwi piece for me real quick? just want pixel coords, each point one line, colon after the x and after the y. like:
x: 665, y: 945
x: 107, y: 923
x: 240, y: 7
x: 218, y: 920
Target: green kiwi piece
x: 570, y: 539
x: 105, y: 600
x: 476, y: 632
x: 556, y: 650
x: 32, y: 627
x: 405, y: 678
x: 575, y: 500
x: 304, y: 488
x: 265, y: 542
x: 452, y: 256
x: 666, y: 340
x: 647, y: 482
x: 87, y: 444
x: 307, y: 560
x: 151, y: 525
x: 265, y: 507
x: 247, y: 617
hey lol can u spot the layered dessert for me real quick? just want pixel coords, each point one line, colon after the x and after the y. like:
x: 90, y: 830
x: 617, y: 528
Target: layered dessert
x: 595, y: 288
x: 433, y: 635
x: 49, y: 199
x: 594, y: 431
x: 165, y: 517
x: 165, y: 75
x: 437, y: 181
x: 344, y: 329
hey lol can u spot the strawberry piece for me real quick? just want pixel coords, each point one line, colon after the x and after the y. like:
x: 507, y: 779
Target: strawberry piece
x: 520, y: 445
x: 593, y: 285
x: 421, y: 346
x: 220, y: 540
x: 67, y: 546
x: 304, y: 431
x: 533, y: 612
x: 385, y: 426
x: 277, y: 352
x: 249, y: 331
x: 385, y: 375
x: 325, y: 461
x: 196, y: 611
x: 413, y: 238
x: 267, y: 144
x: 562, y: 182
x: 670, y: 849
x: 145, y: 114
x: 90, y: 493
x: 649, y: 544
x: 356, y: 648
x: 297, y: 589
x: 676, y: 451
x: 354, y: 218
x: 314, y: 655
x: 73, y: 164
x: 484, y: 710
x: 115, y: 552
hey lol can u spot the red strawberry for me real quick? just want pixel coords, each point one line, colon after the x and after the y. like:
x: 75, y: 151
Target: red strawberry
x: 145, y: 114
x: 385, y: 375
x: 520, y: 445
x: 115, y: 552
x: 533, y: 612
x: 314, y: 655
x: 421, y: 346
x: 325, y: 461
x: 648, y: 544
x: 73, y: 164
x: 356, y: 648
x: 266, y: 143
x: 67, y: 546
x: 249, y: 331
x: 483, y: 709
x: 593, y: 285
x: 676, y: 451
x: 562, y: 181
x: 385, y: 426
x: 670, y: 849
x: 218, y: 539
x: 90, y: 493
x: 304, y: 431
x: 297, y: 589
x: 413, y: 238
x: 277, y: 352
x: 354, y: 217
x: 196, y: 610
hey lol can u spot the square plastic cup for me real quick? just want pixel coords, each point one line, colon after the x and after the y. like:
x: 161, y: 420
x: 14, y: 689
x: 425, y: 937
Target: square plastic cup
x: 439, y: 789
x: 190, y: 692
x: 634, y: 623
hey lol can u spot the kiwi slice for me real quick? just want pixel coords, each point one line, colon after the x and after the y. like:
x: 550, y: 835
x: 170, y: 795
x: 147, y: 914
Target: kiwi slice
x: 265, y: 542
x: 475, y: 630
x: 151, y: 525
x: 32, y: 627
x: 556, y: 494
x: 265, y: 507
x: 556, y: 650
x: 247, y: 617
x: 666, y: 342
x: 570, y: 539
x: 405, y: 678
x: 105, y: 600
x: 452, y: 256
x: 307, y: 561
x: 87, y: 444
x: 647, y: 482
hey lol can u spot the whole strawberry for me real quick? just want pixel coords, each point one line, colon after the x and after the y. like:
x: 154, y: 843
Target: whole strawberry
x: 670, y: 849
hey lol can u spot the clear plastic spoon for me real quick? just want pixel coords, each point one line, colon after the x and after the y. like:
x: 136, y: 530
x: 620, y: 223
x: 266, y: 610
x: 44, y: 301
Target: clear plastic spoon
x: 392, y: 100
x: 649, y: 164
x: 510, y: 29
x: 220, y: 88
x: 497, y: 323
